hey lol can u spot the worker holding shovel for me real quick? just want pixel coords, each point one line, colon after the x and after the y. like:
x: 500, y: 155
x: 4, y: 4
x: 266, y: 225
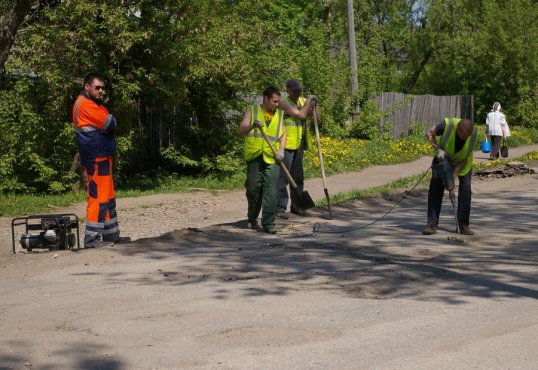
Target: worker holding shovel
x: 296, y: 110
x: 263, y: 126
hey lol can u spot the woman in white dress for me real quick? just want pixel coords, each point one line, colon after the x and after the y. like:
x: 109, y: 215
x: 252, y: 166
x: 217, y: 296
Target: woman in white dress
x: 497, y: 129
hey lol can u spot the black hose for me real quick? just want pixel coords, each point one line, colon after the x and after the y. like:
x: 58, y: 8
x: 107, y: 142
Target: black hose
x: 317, y: 226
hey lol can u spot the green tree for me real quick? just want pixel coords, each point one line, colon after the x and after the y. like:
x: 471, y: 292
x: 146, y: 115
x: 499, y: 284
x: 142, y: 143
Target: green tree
x: 13, y: 14
x: 34, y: 156
x: 483, y: 48
x: 208, y: 56
x: 384, y: 37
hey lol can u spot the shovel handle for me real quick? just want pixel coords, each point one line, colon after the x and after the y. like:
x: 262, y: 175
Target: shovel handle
x: 316, y: 129
x: 282, y: 165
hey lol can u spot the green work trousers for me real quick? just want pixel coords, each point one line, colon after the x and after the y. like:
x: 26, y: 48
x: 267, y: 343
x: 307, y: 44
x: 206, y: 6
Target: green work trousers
x: 262, y: 192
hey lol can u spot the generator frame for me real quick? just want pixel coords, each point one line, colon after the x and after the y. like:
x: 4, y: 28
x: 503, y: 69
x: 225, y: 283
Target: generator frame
x: 64, y: 221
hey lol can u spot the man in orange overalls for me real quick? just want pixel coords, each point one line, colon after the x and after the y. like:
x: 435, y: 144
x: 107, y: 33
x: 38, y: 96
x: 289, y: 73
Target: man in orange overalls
x: 94, y: 128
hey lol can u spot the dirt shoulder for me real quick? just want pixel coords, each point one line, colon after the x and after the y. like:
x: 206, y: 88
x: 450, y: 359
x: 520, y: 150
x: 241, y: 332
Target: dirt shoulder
x: 154, y: 215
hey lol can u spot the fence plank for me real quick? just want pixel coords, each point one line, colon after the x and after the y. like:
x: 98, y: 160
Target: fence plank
x: 429, y: 109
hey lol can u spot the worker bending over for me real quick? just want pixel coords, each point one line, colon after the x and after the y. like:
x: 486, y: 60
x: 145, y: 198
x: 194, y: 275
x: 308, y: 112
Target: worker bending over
x: 458, y: 139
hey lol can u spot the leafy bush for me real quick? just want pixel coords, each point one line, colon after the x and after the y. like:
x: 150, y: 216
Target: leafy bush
x: 37, y: 150
x: 417, y: 130
x: 368, y: 124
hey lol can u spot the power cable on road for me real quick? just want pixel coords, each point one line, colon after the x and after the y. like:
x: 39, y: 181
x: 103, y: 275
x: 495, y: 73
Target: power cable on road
x: 317, y: 225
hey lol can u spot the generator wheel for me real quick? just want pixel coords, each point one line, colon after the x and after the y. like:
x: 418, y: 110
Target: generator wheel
x: 71, y: 240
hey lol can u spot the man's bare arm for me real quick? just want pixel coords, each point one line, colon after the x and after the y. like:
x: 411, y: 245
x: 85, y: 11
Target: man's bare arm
x: 292, y: 110
x: 430, y: 134
x: 245, y: 126
x: 459, y: 166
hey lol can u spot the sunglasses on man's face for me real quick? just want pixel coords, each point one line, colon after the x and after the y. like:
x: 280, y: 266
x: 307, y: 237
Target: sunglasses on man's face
x: 99, y: 87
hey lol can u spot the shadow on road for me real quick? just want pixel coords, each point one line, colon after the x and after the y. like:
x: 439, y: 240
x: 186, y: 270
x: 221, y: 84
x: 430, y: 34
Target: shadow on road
x: 387, y: 259
x: 83, y: 355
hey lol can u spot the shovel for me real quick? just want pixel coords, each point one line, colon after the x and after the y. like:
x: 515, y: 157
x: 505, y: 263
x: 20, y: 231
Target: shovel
x: 302, y: 199
x: 321, y: 162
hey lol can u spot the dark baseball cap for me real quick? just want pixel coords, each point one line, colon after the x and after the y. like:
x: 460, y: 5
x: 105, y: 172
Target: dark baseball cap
x: 294, y: 85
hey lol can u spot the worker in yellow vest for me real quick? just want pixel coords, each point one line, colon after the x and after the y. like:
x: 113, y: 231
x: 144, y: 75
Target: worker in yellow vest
x: 296, y: 110
x: 262, y: 165
x: 458, y: 139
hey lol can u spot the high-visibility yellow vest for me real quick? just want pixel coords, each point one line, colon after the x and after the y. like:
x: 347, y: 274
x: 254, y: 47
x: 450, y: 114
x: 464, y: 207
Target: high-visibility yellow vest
x: 294, y: 126
x: 448, y: 144
x: 255, y: 144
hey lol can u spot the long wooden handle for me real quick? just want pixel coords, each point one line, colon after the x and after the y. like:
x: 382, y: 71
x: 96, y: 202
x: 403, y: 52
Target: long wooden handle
x: 282, y: 165
x: 319, y: 149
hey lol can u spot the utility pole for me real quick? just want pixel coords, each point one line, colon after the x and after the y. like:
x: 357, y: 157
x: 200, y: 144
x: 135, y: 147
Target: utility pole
x: 352, y: 55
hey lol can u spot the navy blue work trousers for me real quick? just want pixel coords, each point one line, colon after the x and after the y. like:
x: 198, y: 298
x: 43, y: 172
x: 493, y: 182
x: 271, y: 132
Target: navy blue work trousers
x: 435, y: 200
x: 293, y: 160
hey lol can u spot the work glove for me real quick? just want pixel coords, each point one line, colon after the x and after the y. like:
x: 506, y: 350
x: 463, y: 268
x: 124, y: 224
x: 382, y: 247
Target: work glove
x: 441, y: 154
x: 314, y: 100
x: 279, y: 156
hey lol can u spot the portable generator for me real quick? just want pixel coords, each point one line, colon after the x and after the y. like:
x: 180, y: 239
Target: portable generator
x: 50, y: 232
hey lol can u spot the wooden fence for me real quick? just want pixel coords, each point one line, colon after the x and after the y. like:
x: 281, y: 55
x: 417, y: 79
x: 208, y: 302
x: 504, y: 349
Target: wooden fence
x: 429, y: 109
x: 166, y: 126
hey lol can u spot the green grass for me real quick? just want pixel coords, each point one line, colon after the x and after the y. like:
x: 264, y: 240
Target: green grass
x: 339, y: 156
x: 424, y: 178
x: 17, y: 205
x: 400, y: 183
x: 354, y: 155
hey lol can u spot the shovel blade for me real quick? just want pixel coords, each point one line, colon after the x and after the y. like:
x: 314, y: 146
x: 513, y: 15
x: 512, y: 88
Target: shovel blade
x: 303, y: 200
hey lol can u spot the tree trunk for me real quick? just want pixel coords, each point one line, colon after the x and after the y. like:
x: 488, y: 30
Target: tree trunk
x: 77, y: 168
x: 9, y: 24
x: 414, y: 78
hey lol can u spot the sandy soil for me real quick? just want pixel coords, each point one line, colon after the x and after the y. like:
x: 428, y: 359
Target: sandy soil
x: 198, y: 290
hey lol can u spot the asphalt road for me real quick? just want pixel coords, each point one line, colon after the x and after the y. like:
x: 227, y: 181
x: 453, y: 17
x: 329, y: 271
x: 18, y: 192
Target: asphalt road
x: 351, y: 295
